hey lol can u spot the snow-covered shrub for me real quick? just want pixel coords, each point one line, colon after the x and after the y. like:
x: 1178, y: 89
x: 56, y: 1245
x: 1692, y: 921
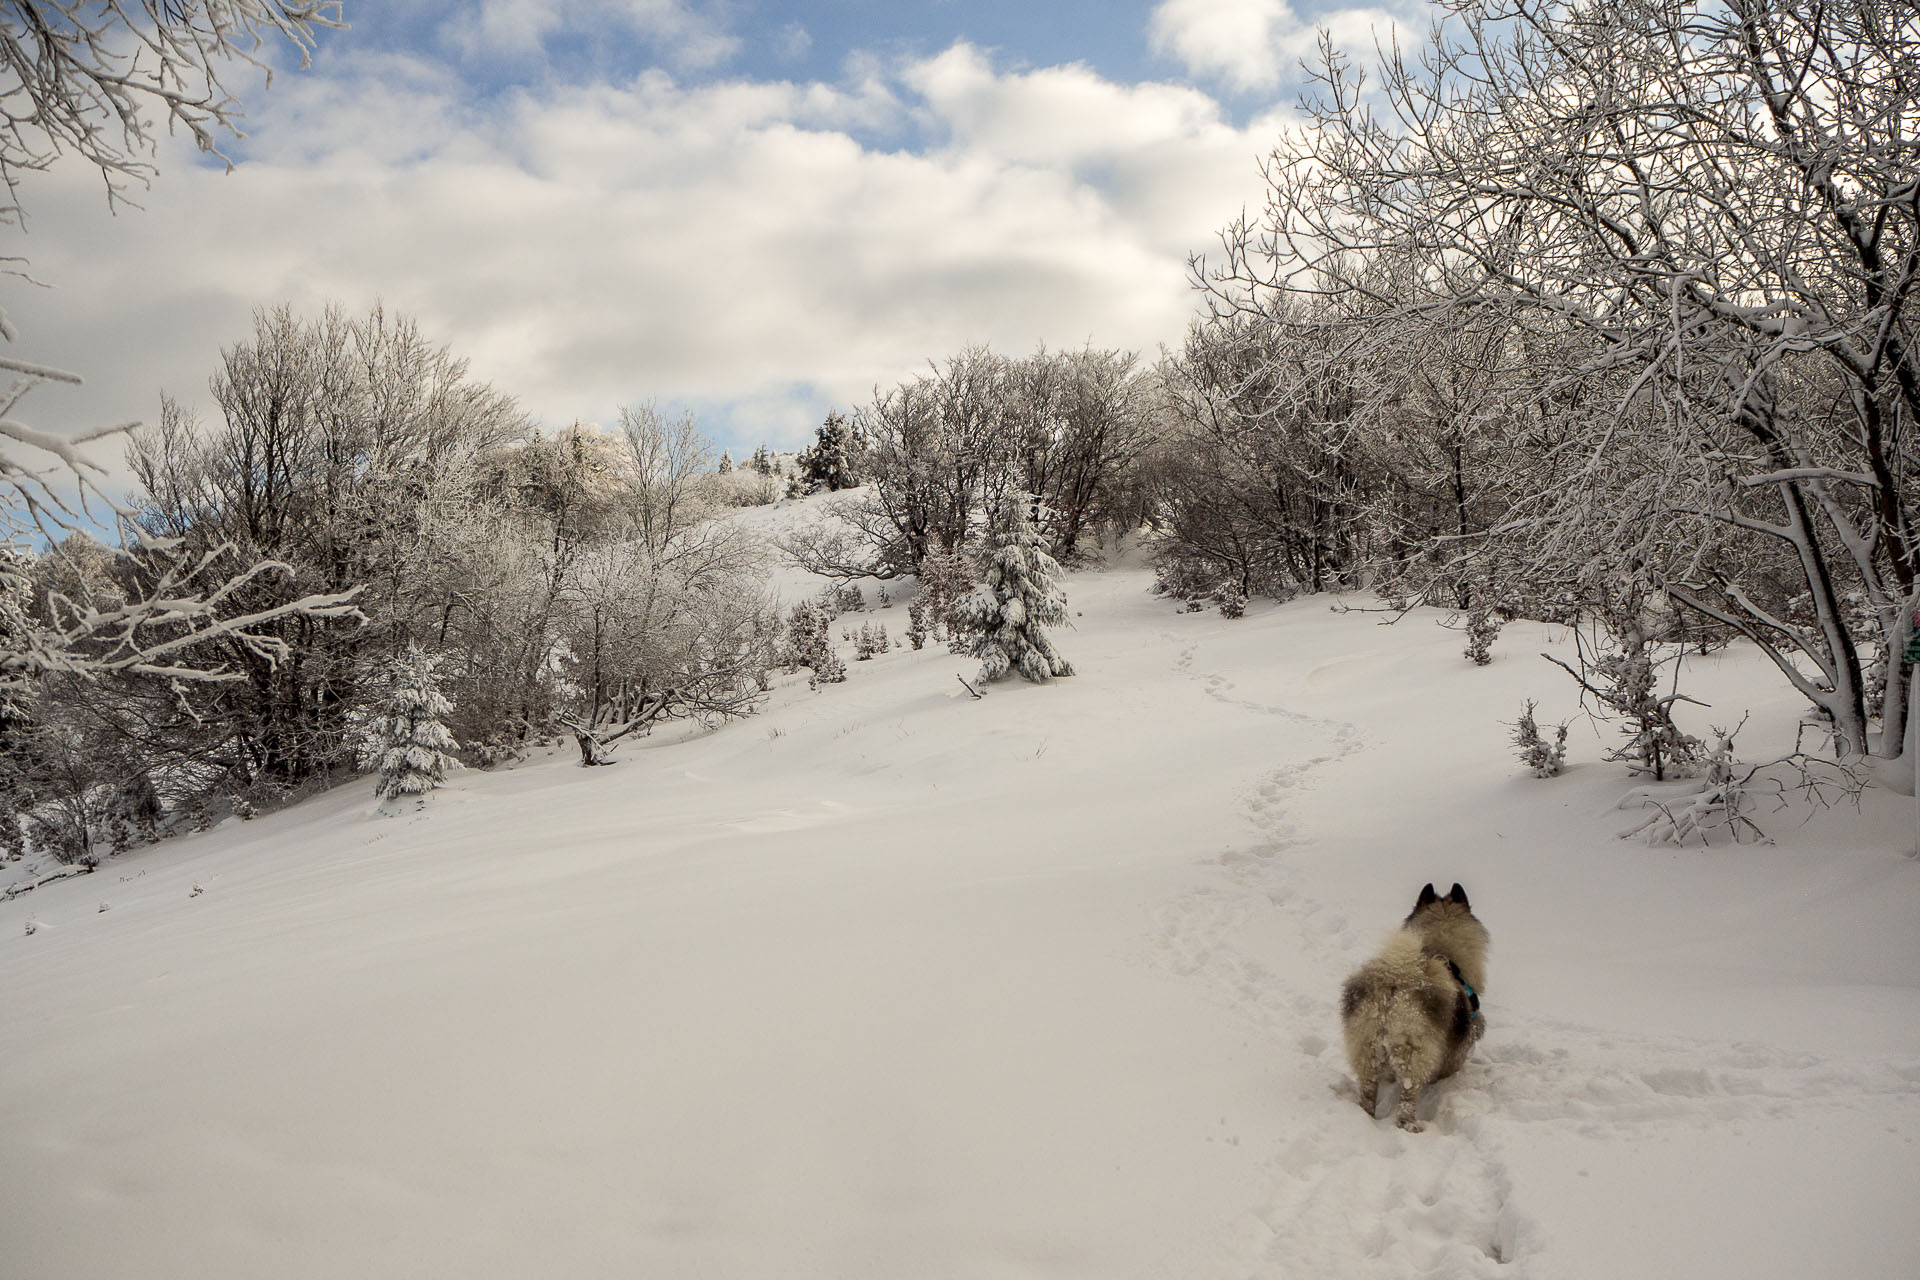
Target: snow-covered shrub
x: 1232, y: 602
x: 1187, y: 578
x: 1620, y: 667
x: 1544, y: 758
x: 744, y: 487
x: 493, y: 752
x: 1717, y: 806
x: 194, y: 814
x: 807, y: 637
x: 65, y: 837
x: 1655, y: 744
x: 832, y: 670
x: 848, y: 598
x: 409, y: 734
x: 1482, y: 629
x: 1019, y: 597
x: 917, y: 624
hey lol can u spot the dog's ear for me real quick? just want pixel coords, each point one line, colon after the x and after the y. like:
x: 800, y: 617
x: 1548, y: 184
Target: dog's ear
x: 1458, y: 895
x: 1426, y: 895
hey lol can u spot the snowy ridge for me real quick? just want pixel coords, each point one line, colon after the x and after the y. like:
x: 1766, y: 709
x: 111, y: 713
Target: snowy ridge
x: 889, y: 982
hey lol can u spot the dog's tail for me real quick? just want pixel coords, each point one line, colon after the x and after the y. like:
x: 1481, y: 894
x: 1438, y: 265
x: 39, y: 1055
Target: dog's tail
x: 1406, y: 1040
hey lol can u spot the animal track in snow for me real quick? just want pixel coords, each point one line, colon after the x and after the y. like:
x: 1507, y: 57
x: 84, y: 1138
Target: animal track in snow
x: 1349, y: 1196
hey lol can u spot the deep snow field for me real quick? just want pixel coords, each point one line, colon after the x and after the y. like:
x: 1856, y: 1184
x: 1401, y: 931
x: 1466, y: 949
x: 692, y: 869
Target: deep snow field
x: 888, y: 982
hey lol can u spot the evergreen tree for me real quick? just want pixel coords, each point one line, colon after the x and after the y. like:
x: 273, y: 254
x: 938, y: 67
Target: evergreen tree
x: 831, y: 463
x: 726, y: 461
x: 409, y: 736
x: 1018, y: 598
x: 807, y: 641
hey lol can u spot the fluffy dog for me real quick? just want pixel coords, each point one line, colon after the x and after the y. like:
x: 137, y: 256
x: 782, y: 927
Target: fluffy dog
x: 1412, y: 1013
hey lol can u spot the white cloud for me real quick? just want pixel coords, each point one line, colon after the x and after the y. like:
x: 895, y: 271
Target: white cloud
x: 728, y: 244
x: 1254, y: 45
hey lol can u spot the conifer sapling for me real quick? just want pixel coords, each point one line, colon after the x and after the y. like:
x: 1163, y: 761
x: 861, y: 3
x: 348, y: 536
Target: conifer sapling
x: 1019, y: 597
x: 409, y: 736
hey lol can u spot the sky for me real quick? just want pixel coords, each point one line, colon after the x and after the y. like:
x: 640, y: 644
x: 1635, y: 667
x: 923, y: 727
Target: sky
x: 755, y: 211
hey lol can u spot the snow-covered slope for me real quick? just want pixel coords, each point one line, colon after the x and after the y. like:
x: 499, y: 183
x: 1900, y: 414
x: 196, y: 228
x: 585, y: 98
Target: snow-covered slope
x: 889, y: 982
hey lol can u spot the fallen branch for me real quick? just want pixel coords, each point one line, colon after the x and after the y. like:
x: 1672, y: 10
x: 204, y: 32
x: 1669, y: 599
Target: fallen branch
x: 596, y: 744
x: 19, y: 887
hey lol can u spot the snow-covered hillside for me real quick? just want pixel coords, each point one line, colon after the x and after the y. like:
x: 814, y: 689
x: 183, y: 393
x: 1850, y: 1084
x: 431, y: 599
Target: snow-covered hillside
x: 888, y: 982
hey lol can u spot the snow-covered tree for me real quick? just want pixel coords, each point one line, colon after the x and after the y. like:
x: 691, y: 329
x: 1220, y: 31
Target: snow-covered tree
x: 1483, y: 628
x: 917, y: 623
x: 1019, y: 597
x: 408, y: 737
x: 832, y: 462
x: 1689, y: 236
x: 88, y: 79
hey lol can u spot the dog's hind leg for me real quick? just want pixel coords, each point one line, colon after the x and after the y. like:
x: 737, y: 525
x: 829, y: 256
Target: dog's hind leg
x: 1369, y: 1079
x: 1409, y: 1104
x: 1411, y: 1082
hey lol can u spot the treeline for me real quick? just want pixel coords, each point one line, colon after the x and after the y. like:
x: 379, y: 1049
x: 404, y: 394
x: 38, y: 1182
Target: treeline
x: 571, y: 577
x: 942, y: 455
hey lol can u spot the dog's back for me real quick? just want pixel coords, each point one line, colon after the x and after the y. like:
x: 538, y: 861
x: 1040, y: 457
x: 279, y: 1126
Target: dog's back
x: 1411, y: 1014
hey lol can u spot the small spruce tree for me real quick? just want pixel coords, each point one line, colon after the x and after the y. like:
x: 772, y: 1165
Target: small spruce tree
x: 831, y: 463
x: 1482, y: 629
x: 1019, y: 597
x: 1544, y: 758
x: 832, y: 670
x: 409, y: 737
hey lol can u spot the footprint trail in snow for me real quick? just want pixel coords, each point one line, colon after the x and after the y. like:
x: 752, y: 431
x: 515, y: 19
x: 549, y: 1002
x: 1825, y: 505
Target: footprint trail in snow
x: 1352, y: 1197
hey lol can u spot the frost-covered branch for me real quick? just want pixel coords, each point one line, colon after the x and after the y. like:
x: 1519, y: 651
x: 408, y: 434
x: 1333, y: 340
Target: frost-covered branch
x: 88, y: 77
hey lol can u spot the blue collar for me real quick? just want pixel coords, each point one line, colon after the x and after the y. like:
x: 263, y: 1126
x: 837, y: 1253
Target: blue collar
x: 1473, y: 997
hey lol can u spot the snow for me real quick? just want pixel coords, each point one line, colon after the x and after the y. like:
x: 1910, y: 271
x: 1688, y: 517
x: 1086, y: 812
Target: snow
x: 891, y: 982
